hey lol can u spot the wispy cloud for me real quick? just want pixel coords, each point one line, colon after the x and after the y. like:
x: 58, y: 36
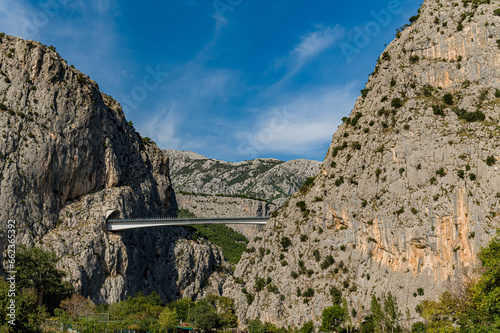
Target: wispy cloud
x: 314, y: 43
x: 302, y: 125
x: 311, y: 46
x: 165, y: 125
x: 190, y: 93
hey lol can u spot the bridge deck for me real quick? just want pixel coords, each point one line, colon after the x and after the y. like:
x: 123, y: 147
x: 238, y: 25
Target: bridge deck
x: 116, y: 225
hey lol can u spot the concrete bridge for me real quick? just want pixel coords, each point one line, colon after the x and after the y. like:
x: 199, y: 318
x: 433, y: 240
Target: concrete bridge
x: 117, y: 225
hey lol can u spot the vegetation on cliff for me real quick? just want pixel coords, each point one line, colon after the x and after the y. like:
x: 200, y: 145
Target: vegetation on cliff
x: 232, y: 243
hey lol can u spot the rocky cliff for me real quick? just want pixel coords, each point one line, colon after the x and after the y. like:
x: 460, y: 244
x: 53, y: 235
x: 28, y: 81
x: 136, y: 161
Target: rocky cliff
x: 67, y: 156
x: 263, y: 178
x: 409, y: 190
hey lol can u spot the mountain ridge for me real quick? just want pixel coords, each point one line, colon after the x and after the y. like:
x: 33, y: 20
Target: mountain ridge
x: 262, y: 178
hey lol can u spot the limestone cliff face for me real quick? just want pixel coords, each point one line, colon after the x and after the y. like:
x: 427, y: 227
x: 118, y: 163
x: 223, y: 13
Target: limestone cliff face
x: 263, y: 178
x: 409, y: 190
x: 67, y: 154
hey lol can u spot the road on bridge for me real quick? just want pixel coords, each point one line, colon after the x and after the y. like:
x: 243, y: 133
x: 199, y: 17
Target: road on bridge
x: 117, y: 225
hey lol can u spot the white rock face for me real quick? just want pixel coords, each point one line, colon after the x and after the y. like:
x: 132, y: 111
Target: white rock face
x: 66, y: 153
x: 409, y: 191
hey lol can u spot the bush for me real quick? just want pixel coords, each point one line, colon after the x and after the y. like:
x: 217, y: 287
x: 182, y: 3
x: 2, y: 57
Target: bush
x: 386, y: 56
x: 81, y: 79
x: 427, y: 91
x: 414, y: 59
x: 285, y: 242
x: 3, y: 107
x: 356, y: 118
x: 146, y: 140
x: 294, y: 274
x: 418, y: 327
x: 472, y: 177
x: 414, y: 18
x: 396, y: 103
x: 365, y: 92
x: 470, y: 116
x: 497, y: 93
x: 497, y: 12
x: 307, y: 185
x: 438, y: 110
x: 250, y: 298
x: 316, y: 255
x: 448, y: 99
x: 441, y: 172
x: 308, y: 327
x: 327, y: 262
x: 308, y: 293
x: 420, y: 291
x: 339, y: 181
x: 490, y: 160
x: 260, y: 283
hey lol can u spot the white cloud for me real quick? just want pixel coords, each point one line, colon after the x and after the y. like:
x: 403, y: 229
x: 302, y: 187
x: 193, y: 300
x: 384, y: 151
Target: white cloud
x: 310, y: 47
x: 163, y: 126
x: 316, y: 42
x: 300, y: 126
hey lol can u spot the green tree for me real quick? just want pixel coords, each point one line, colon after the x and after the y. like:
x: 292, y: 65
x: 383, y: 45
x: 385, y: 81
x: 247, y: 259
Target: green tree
x: 227, y: 312
x: 336, y: 295
x: 392, y: 313
x: 333, y: 318
x: 37, y: 269
x: 28, y: 314
x: 138, y: 307
x: 483, y: 310
x: 182, y: 307
x: 204, y: 316
x: 308, y: 327
x: 168, y: 318
x: 255, y: 326
x: 378, y: 315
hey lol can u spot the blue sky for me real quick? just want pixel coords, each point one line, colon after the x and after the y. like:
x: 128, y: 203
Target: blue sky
x: 229, y: 79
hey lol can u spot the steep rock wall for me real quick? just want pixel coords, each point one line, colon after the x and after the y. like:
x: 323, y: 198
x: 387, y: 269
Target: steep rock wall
x: 406, y: 196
